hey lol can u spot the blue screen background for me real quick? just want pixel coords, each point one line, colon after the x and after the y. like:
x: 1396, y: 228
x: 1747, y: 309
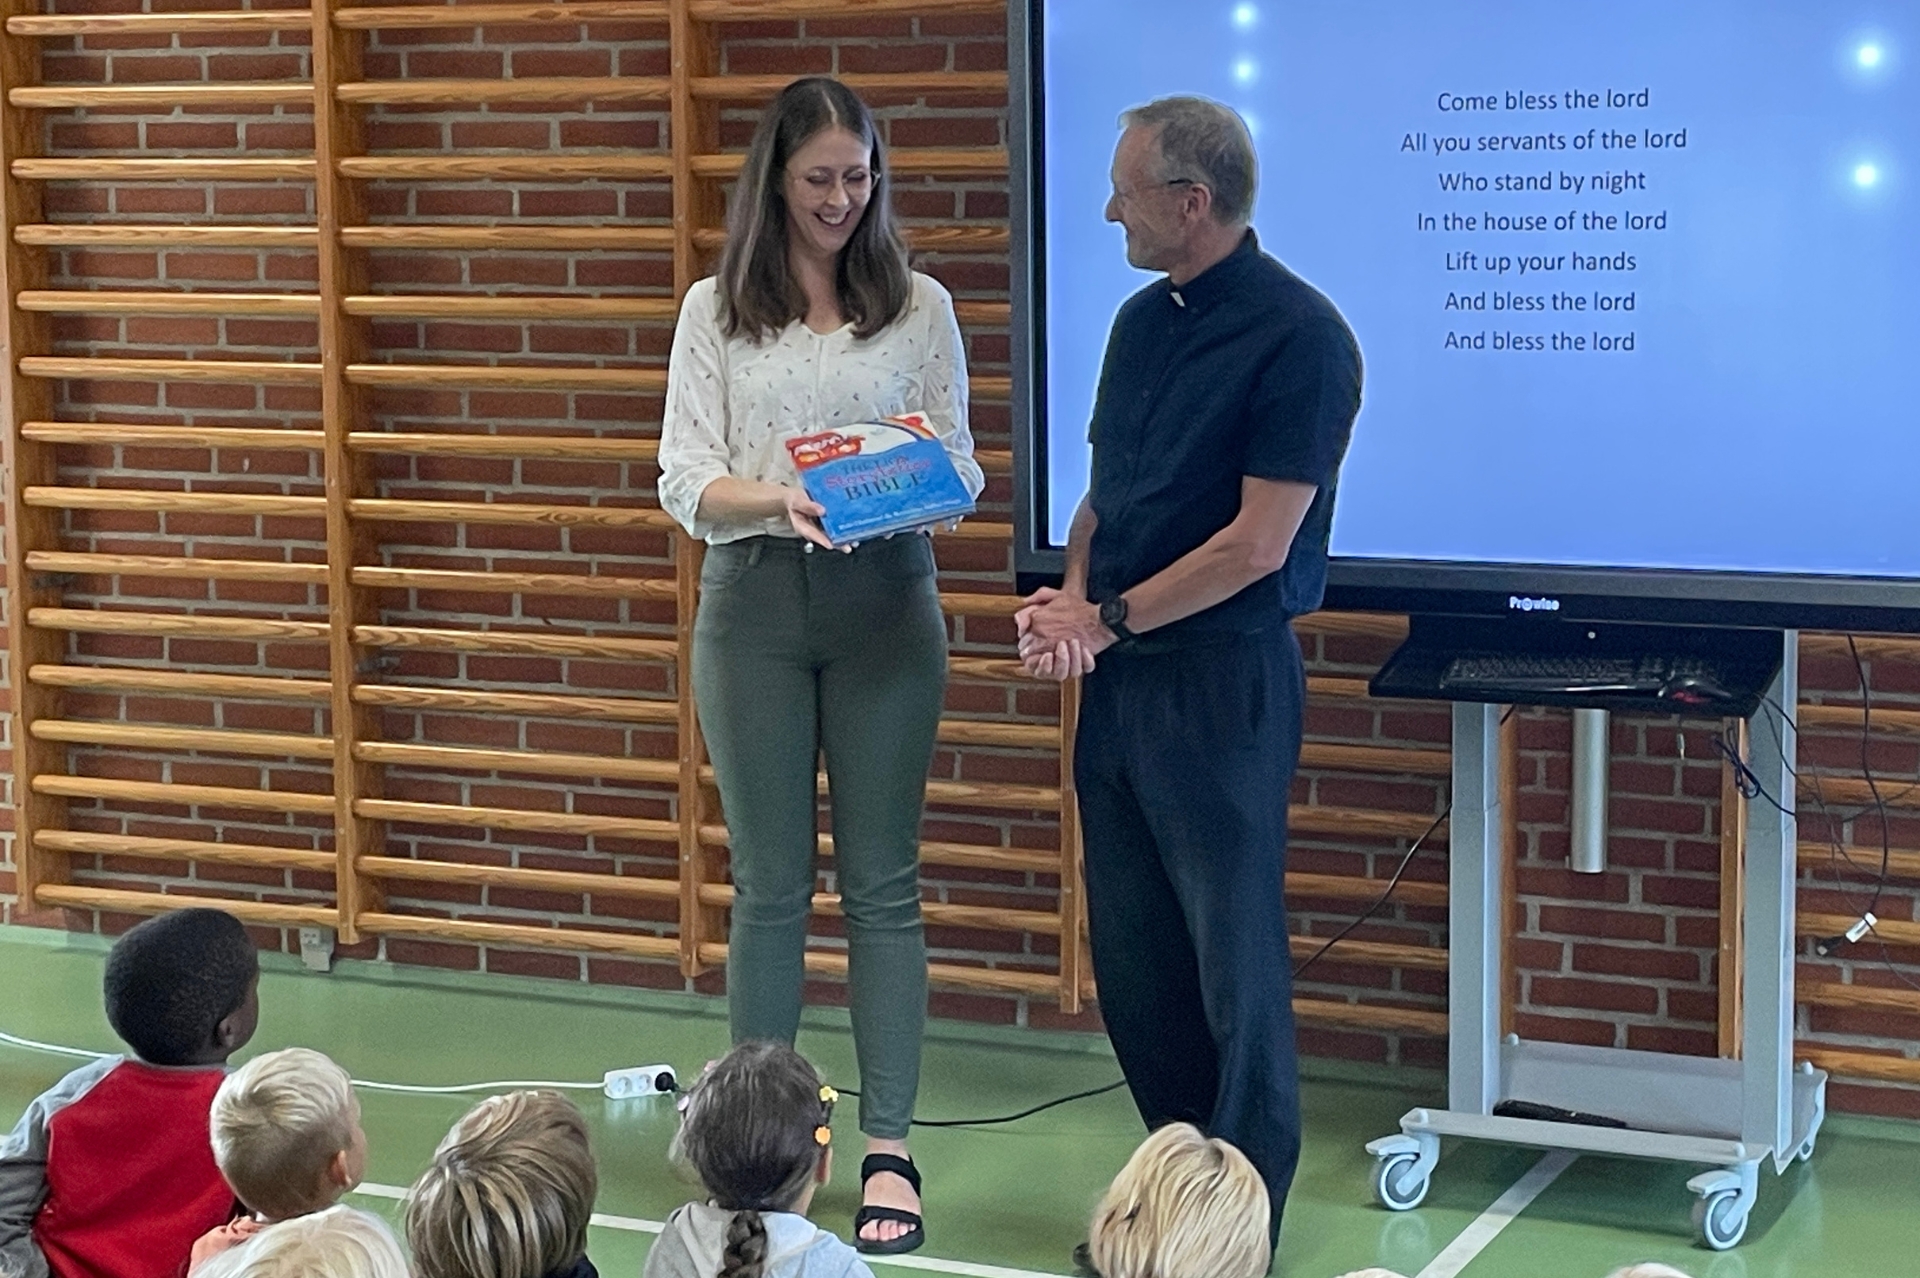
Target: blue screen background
x: 1766, y: 419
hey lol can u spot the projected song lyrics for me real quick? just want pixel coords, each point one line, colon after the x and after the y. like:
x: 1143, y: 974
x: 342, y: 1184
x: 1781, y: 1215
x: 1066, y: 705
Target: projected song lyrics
x: 1549, y: 224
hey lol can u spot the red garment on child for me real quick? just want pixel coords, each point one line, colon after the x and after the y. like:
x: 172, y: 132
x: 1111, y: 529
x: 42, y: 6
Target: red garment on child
x: 131, y: 1181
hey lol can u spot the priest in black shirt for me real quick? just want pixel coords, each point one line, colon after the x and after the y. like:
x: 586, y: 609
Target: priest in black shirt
x: 1225, y: 405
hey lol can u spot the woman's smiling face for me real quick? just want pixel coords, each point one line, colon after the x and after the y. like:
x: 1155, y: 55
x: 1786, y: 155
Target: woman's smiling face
x: 829, y: 181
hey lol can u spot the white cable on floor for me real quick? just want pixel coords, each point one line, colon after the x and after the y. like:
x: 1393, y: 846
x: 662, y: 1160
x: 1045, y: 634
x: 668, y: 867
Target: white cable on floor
x: 512, y: 1085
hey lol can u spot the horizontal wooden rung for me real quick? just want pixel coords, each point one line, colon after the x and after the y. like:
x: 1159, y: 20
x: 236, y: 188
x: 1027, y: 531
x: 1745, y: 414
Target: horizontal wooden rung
x: 509, y: 236
x: 119, y: 169
x: 165, y: 566
x: 1426, y: 958
x: 1334, y: 688
x: 921, y: 239
x: 989, y: 669
x: 94, y: 434
x: 1856, y: 863
x: 150, y: 235
x: 181, y: 683
x: 523, y: 583
x: 533, y: 762
x: 764, y: 10
x: 82, y: 843
x: 1353, y: 625
x: 373, y: 18
x: 1846, y: 718
x: 583, y: 824
x: 1882, y: 1067
x: 384, y: 510
x: 553, y: 167
x: 453, y: 92
x: 104, y: 302
x: 408, y: 869
x: 965, y: 605
x: 516, y: 642
x: 755, y: 88
x: 1337, y: 822
x: 196, y: 503
x: 511, y: 306
x: 977, y: 856
x: 461, y: 700
x: 505, y: 377
x: 940, y: 975
x: 197, y: 96
x: 1370, y: 1016
x: 994, y: 461
x: 984, y: 917
x: 991, y: 388
x: 1866, y: 998
x: 1899, y: 795
x: 122, y: 901
x: 622, y: 942
x: 1003, y: 795
x: 1892, y: 931
x: 1341, y: 887
x: 911, y: 161
x: 1011, y: 736
x: 148, y: 736
x: 182, y: 625
x: 542, y: 447
x: 82, y: 24
x: 101, y: 369
x: 110, y: 790
x: 1384, y: 760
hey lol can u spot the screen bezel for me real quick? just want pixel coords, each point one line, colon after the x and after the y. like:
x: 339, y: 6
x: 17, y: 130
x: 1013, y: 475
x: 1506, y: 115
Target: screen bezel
x: 1484, y: 588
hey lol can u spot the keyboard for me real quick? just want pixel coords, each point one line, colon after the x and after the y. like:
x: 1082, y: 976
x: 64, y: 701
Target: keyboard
x: 1570, y: 672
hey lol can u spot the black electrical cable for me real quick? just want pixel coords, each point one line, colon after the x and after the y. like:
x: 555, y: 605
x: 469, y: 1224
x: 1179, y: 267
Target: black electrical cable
x: 1380, y: 902
x: 1866, y: 767
x: 1008, y: 1118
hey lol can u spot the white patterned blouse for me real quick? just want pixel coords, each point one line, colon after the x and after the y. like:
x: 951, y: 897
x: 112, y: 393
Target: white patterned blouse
x: 732, y: 403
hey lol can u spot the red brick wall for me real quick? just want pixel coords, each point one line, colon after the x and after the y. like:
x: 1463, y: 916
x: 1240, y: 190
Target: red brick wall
x: 1627, y: 957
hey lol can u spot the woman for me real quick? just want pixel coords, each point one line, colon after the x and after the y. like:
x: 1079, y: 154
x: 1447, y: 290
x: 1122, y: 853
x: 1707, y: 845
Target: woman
x: 815, y: 321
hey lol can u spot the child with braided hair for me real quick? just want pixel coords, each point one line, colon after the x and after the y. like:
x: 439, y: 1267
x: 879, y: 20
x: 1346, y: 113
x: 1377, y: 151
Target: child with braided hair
x: 756, y: 1129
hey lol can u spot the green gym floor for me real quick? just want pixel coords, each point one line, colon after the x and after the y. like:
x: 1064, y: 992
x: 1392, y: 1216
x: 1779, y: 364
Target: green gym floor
x: 999, y: 1199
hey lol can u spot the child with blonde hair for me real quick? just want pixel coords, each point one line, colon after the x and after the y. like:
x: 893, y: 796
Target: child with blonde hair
x: 338, y: 1242
x: 508, y: 1193
x: 287, y: 1137
x: 757, y: 1131
x: 1184, y: 1206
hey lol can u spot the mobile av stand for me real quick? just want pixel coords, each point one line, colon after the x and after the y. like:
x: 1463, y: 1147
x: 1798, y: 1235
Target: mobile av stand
x: 1733, y: 1116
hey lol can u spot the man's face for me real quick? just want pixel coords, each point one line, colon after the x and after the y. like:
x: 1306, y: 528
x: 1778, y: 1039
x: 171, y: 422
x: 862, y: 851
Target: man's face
x: 1147, y: 203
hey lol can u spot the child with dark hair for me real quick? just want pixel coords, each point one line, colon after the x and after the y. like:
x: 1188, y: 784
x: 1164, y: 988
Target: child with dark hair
x: 111, y: 1172
x: 757, y: 1131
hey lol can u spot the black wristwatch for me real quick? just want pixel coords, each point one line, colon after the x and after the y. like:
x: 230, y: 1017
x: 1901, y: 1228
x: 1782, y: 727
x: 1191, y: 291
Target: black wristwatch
x: 1113, y: 615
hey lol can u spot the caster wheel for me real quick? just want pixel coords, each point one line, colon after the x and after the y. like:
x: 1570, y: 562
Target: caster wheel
x: 1394, y: 1186
x: 1719, y: 1220
x: 1806, y: 1150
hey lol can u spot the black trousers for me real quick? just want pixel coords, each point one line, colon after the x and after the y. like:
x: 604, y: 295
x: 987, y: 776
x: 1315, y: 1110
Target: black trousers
x: 1183, y: 761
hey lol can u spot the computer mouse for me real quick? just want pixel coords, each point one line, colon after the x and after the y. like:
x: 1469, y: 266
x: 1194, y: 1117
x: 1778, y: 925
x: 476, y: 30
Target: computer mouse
x: 1694, y: 690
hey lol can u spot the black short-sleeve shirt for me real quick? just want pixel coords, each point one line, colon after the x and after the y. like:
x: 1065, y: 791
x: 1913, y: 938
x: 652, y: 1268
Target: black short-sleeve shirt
x: 1246, y: 370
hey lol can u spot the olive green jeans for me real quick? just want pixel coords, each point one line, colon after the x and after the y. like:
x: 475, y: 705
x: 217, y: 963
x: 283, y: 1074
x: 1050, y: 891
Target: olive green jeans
x: 796, y: 655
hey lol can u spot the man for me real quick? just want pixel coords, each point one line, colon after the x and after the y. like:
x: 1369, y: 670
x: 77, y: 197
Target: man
x: 1224, y: 409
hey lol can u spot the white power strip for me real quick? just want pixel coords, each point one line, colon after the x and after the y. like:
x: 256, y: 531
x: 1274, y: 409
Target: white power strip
x: 640, y: 1082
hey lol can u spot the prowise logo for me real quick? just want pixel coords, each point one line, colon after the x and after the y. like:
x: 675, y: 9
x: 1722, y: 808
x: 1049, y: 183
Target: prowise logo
x: 1520, y: 603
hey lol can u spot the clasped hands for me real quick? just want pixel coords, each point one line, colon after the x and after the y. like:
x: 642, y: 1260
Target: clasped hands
x: 1060, y: 634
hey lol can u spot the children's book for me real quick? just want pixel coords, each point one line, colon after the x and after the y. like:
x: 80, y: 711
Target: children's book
x: 877, y: 478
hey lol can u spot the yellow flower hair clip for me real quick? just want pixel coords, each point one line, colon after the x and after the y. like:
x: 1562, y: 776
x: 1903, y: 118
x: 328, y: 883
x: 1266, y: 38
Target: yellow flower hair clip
x: 827, y: 1095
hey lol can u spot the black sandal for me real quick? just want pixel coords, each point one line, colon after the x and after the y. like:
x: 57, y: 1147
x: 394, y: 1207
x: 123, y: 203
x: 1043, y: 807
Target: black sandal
x: 876, y: 1165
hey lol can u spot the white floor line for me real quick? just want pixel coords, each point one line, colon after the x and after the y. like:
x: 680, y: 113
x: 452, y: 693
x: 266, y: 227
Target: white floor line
x: 1473, y: 1240
x: 635, y: 1225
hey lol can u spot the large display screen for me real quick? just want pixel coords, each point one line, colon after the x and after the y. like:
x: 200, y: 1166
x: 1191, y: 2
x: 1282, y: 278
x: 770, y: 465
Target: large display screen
x: 1637, y: 281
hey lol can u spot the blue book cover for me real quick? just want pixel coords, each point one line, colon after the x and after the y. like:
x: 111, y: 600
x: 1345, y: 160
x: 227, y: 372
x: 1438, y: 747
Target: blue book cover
x: 880, y: 477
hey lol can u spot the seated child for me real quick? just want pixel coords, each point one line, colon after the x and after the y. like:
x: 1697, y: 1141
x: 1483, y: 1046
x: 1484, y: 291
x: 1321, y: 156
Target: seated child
x: 1184, y: 1206
x: 756, y: 1130
x: 287, y: 1136
x: 508, y: 1193
x: 111, y: 1171
x: 338, y: 1242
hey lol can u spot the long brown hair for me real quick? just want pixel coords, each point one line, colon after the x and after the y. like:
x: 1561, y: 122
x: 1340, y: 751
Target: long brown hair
x: 752, y: 1133
x: 757, y: 290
